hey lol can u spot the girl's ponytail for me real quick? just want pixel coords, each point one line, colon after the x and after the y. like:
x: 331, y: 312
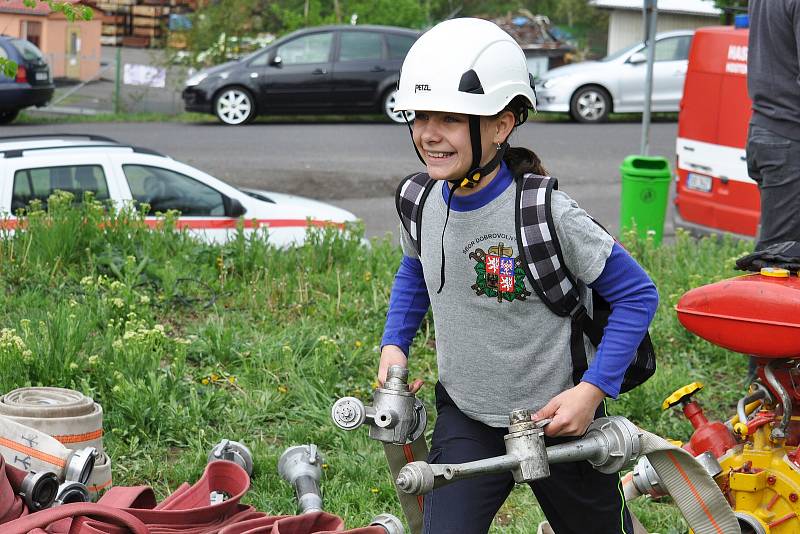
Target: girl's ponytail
x: 523, y: 161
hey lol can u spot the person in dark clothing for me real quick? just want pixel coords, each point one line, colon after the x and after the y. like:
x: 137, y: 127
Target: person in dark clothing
x: 773, y: 145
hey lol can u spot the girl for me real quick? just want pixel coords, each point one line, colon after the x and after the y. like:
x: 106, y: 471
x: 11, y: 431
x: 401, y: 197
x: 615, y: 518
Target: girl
x: 468, y: 84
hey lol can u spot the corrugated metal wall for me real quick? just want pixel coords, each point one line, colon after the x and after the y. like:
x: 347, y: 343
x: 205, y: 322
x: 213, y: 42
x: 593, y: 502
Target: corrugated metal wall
x: 626, y: 27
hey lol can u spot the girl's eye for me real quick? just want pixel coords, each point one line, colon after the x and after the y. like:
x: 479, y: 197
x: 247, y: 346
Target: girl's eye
x: 451, y: 118
x: 420, y: 116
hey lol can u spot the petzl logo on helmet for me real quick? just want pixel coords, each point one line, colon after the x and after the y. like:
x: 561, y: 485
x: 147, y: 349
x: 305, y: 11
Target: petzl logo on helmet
x: 421, y: 87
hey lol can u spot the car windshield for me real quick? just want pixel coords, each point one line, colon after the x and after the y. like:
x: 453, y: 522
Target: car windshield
x: 619, y: 53
x: 28, y: 50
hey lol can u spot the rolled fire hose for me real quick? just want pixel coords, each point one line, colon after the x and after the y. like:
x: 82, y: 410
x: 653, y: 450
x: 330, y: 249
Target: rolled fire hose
x: 48, y: 429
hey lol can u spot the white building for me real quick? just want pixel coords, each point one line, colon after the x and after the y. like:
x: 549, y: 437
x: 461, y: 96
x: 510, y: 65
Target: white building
x: 626, y: 24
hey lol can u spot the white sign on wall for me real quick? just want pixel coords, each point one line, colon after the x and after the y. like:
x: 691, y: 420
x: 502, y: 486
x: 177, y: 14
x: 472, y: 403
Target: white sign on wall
x: 146, y: 75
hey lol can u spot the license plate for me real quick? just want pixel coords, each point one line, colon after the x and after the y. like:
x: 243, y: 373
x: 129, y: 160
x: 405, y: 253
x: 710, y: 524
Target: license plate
x: 41, y: 75
x: 699, y: 182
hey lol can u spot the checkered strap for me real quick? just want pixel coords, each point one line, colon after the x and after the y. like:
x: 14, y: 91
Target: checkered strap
x: 543, y: 261
x: 409, y: 199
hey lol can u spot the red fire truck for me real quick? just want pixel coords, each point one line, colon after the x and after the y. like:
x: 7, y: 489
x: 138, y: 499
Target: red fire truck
x: 713, y: 190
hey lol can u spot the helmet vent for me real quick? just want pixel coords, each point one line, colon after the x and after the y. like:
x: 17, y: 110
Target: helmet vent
x: 470, y: 83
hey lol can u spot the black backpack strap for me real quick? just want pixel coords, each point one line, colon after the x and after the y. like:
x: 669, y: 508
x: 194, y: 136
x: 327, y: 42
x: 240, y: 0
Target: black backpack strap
x: 409, y: 199
x: 536, y: 234
x: 544, y: 263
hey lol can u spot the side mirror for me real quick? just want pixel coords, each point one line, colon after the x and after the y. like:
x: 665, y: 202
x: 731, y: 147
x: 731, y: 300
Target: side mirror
x: 233, y: 208
x: 637, y: 58
x: 276, y: 61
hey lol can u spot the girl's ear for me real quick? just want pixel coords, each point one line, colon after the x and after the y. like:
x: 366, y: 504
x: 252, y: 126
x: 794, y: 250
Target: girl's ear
x: 504, y: 125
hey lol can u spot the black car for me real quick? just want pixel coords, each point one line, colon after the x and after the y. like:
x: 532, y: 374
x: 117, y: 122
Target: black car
x: 328, y: 69
x: 33, y: 84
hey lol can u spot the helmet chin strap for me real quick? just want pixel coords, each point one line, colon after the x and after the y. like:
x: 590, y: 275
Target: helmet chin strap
x: 477, y: 172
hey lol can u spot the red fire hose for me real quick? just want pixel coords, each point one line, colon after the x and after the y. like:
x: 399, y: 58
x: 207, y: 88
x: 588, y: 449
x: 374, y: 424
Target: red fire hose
x: 124, y: 510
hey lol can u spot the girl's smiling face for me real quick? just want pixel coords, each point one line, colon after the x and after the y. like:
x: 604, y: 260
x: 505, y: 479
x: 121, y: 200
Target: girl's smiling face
x: 443, y: 141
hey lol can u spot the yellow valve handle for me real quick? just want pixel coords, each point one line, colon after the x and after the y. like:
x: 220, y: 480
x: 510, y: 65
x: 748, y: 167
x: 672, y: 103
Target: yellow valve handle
x: 681, y: 394
x: 741, y: 430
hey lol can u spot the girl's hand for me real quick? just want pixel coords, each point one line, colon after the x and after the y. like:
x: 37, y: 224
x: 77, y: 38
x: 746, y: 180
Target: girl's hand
x: 392, y: 355
x: 571, y: 411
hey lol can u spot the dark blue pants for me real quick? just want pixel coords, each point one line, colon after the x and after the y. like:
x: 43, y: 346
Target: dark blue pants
x: 576, y: 498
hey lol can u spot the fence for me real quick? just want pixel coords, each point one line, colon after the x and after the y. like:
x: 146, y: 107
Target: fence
x: 128, y: 80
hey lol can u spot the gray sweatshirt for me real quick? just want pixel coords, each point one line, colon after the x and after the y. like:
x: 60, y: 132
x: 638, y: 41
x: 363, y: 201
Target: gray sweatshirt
x: 496, y: 355
x: 773, y: 65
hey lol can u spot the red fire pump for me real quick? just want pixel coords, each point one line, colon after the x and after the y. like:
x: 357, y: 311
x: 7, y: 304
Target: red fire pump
x: 757, y: 450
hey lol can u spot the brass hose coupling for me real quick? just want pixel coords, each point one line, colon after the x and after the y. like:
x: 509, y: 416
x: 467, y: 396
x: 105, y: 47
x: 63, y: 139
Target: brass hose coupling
x: 396, y: 415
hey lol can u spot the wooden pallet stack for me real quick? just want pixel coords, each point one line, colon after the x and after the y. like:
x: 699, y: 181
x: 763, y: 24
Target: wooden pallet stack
x: 149, y: 22
x: 138, y: 23
x: 115, y: 15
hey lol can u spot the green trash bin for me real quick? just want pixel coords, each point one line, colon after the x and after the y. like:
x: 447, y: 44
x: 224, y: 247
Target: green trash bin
x: 645, y: 191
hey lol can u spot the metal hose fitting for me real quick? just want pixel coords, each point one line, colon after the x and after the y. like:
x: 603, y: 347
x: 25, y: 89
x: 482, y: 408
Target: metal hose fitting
x: 301, y: 466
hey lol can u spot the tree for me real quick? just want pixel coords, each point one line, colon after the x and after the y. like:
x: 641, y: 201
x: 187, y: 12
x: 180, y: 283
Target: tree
x: 71, y: 12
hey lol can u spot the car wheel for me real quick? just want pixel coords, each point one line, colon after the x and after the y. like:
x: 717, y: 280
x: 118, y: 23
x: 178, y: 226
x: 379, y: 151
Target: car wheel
x: 235, y: 106
x: 590, y: 104
x: 389, y: 100
x: 8, y: 116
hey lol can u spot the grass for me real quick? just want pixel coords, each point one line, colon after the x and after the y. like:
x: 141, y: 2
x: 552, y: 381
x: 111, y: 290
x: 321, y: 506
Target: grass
x: 186, y: 343
x: 43, y: 117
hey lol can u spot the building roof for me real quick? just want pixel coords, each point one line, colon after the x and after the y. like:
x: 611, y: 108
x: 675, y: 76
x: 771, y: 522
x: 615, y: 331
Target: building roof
x: 686, y: 7
x: 18, y: 6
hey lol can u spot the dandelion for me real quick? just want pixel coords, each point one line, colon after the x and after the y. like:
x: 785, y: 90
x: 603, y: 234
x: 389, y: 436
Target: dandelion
x: 358, y: 343
x: 214, y: 377
x: 283, y: 389
x: 367, y: 276
x: 204, y: 381
x: 231, y: 379
x: 375, y: 490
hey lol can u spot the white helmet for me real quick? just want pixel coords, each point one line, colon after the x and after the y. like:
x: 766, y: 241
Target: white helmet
x: 465, y: 65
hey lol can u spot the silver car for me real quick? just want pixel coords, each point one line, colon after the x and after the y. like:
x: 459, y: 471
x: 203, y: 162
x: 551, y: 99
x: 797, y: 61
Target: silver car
x: 590, y: 90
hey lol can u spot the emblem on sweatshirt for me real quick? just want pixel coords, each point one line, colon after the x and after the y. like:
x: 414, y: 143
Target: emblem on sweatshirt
x: 500, y: 274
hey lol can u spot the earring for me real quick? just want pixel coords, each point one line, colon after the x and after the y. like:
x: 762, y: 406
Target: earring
x: 499, y: 146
